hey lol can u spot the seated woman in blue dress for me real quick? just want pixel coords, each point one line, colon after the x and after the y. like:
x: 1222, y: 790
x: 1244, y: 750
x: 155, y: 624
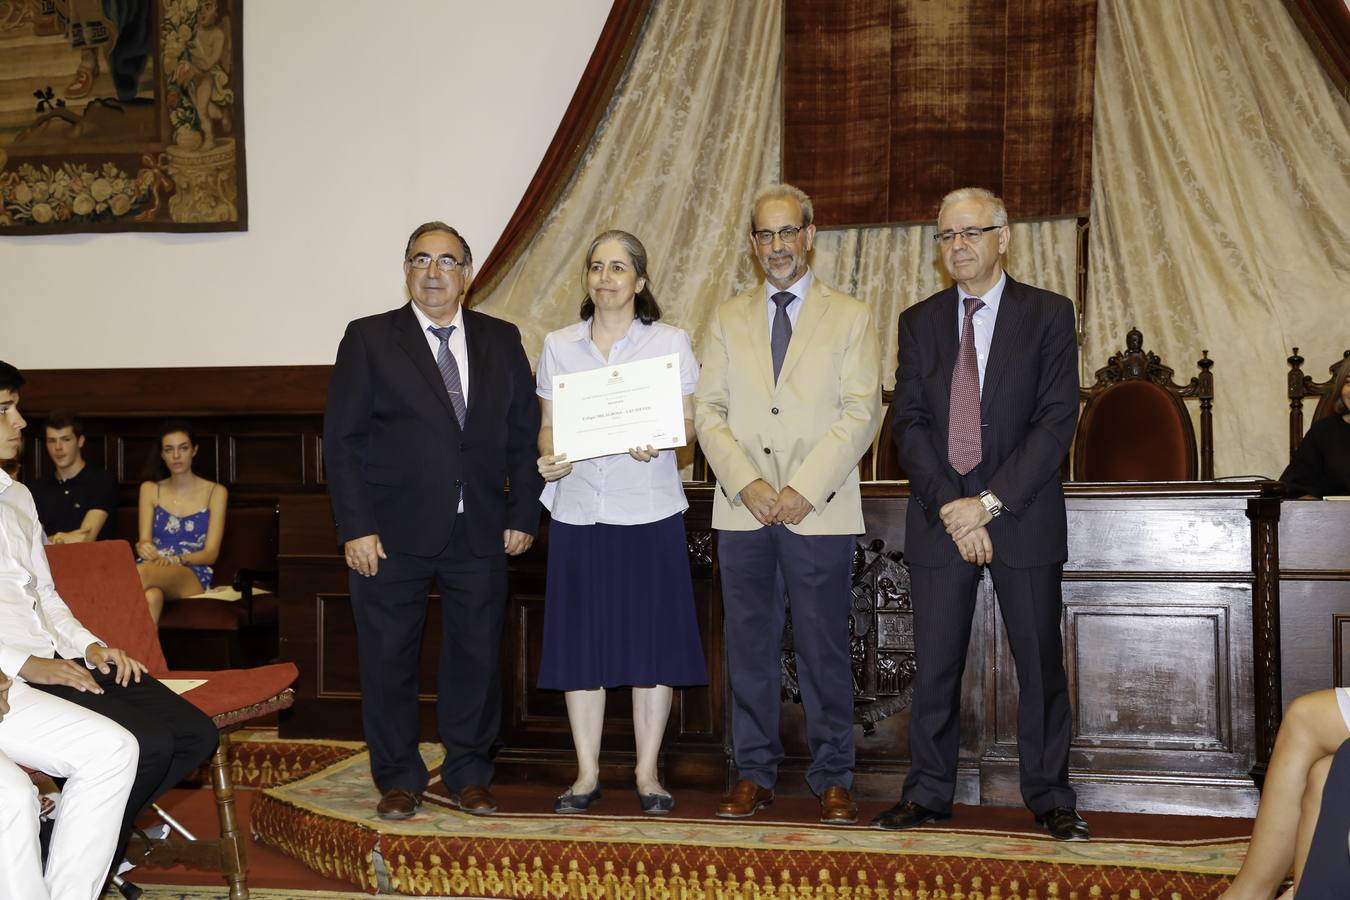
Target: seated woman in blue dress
x: 1321, y: 465
x: 181, y: 521
x: 619, y: 606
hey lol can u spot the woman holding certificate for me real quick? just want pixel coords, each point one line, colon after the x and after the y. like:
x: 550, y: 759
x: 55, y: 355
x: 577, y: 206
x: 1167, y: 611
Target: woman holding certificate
x: 619, y: 607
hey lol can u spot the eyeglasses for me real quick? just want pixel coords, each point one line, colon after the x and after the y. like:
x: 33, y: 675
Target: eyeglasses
x: 445, y: 262
x: 969, y: 235
x: 787, y: 234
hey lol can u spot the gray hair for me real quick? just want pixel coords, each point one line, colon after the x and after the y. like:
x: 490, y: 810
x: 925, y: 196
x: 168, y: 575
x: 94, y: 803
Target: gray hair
x: 960, y: 195
x: 774, y: 191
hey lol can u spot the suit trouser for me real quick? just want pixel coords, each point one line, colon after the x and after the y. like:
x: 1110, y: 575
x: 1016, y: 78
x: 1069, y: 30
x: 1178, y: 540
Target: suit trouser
x: 391, y: 612
x: 173, y: 736
x: 97, y: 757
x: 1031, y: 603
x: 814, y: 570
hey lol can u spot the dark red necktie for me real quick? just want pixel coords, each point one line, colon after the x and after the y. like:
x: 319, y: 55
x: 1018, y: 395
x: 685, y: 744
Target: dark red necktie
x: 963, y: 425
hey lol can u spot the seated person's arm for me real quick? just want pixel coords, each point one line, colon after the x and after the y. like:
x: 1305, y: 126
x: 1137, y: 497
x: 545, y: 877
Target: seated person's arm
x: 89, y: 528
x: 145, y: 522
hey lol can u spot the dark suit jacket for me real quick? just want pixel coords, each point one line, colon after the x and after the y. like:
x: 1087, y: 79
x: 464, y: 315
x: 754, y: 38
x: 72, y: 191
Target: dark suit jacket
x: 394, y: 455
x: 1028, y: 410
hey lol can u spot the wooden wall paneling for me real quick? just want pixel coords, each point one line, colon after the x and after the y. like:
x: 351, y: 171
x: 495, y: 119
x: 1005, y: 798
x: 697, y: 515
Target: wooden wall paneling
x: 268, y: 459
x: 1340, y: 650
x: 158, y: 393
x: 1313, y: 558
x: 1312, y: 617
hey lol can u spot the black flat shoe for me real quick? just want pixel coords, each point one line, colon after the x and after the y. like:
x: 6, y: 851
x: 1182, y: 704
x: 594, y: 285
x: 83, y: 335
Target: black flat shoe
x: 907, y: 814
x: 1064, y: 824
x: 656, y: 804
x: 569, y: 802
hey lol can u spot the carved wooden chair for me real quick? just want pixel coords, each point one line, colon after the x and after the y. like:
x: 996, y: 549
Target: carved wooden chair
x: 99, y: 583
x: 1135, y: 425
x: 888, y: 466
x: 1302, y: 386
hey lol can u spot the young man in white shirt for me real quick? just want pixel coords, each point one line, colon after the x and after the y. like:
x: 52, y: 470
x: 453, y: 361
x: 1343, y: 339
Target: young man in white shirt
x: 46, y: 646
x: 96, y: 756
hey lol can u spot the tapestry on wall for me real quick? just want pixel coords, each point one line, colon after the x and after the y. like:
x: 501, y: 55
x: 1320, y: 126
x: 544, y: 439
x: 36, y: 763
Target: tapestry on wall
x: 121, y: 115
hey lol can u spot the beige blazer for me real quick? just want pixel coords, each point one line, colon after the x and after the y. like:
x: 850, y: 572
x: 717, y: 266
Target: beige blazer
x: 811, y: 428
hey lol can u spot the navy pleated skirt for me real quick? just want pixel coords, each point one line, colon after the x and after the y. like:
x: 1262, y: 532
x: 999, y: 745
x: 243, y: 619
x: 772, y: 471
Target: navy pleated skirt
x: 619, y: 608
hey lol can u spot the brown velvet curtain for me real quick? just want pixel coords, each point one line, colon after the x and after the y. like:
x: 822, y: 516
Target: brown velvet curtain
x: 594, y: 92
x: 888, y: 105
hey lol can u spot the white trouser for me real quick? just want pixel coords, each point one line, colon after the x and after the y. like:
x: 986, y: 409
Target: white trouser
x: 98, y: 758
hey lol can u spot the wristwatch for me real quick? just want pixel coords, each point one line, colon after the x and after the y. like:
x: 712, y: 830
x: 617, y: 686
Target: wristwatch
x: 991, y: 503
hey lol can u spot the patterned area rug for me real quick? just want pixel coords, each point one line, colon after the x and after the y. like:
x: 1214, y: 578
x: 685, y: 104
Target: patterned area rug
x: 180, y: 892
x: 260, y: 759
x: 325, y: 820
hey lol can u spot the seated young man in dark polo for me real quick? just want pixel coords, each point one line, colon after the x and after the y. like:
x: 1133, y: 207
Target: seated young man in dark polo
x: 74, y: 499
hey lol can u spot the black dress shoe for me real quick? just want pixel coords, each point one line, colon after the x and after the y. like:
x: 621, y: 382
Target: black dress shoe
x: 1064, y: 824
x: 907, y: 814
x: 569, y: 802
x: 656, y: 804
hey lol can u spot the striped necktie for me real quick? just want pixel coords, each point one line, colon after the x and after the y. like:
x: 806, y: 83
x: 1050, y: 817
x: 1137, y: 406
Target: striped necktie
x: 445, y: 361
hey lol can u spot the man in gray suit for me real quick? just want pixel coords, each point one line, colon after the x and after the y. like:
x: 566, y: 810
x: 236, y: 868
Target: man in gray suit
x: 986, y: 401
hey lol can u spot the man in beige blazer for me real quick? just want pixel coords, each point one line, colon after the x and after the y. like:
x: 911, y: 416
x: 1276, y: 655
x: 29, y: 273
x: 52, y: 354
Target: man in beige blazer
x: 788, y: 402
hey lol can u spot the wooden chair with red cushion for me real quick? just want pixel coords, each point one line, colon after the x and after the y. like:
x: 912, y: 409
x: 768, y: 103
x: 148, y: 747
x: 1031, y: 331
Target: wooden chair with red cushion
x: 1301, y: 386
x: 99, y: 583
x: 888, y: 466
x: 1135, y: 425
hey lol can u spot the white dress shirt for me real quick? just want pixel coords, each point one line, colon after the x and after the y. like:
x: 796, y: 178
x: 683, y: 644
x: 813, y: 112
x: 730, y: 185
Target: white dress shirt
x: 34, y: 620
x: 794, y: 309
x: 458, y: 344
x: 615, y: 490
x: 984, y: 320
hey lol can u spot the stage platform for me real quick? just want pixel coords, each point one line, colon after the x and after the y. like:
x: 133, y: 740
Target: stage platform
x: 326, y: 820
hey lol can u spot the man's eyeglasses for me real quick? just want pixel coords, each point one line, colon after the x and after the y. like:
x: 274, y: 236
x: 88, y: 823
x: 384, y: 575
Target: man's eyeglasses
x: 445, y: 262
x: 787, y: 234
x: 969, y: 235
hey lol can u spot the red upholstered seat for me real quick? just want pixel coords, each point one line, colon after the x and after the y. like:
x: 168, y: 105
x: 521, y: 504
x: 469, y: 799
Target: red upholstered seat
x: 1135, y: 431
x: 1135, y: 426
x: 99, y: 583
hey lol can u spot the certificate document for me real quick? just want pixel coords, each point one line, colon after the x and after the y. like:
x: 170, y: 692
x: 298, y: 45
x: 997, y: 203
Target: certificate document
x: 608, y: 410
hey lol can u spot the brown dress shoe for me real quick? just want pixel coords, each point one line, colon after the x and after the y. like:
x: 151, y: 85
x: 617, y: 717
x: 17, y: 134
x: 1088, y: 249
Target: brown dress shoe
x: 744, y: 800
x: 837, y: 807
x: 398, y: 804
x: 474, y: 799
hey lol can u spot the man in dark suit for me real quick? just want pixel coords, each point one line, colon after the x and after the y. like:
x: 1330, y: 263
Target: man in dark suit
x: 431, y: 415
x: 986, y: 402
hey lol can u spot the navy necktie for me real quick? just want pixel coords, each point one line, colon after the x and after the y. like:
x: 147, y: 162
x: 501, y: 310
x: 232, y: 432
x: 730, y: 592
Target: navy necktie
x: 964, y: 450
x: 445, y: 361
x: 782, y: 332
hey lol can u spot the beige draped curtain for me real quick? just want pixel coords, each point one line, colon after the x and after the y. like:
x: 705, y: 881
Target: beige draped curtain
x: 1221, y: 188
x: 1218, y: 141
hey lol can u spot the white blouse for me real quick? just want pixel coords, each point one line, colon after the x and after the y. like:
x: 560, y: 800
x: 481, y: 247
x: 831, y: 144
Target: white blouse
x: 615, y: 490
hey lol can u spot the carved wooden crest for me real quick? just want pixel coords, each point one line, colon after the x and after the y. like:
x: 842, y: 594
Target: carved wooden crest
x: 881, y: 637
